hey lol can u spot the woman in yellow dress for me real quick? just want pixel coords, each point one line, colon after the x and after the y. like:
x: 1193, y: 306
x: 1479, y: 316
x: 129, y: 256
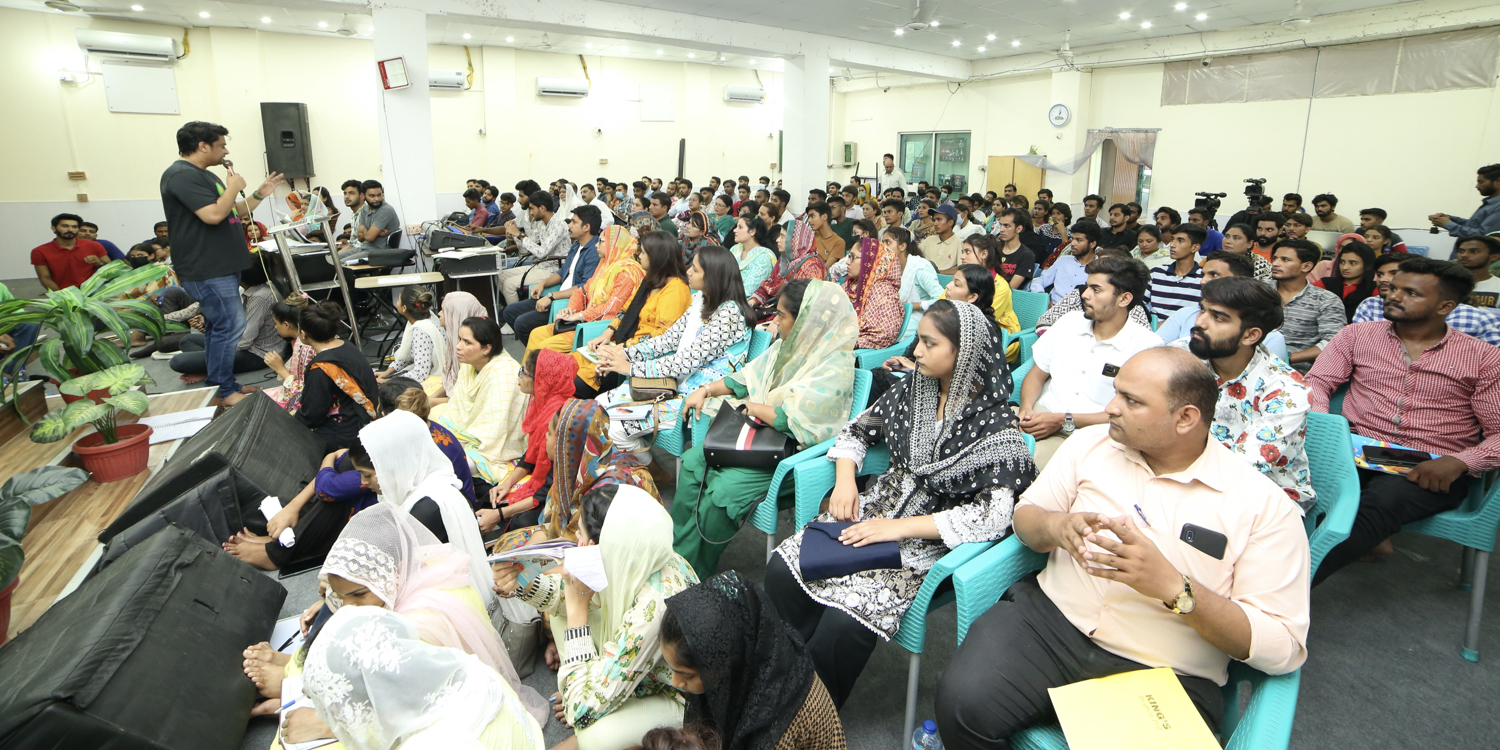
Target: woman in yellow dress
x: 660, y: 299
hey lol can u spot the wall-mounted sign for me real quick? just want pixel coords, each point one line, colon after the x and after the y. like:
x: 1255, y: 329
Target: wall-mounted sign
x: 393, y: 73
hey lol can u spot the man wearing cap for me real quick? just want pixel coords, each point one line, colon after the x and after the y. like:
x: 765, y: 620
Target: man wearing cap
x: 944, y: 247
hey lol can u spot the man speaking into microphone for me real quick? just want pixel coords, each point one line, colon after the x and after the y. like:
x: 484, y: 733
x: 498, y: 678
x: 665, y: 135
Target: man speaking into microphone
x: 205, y: 222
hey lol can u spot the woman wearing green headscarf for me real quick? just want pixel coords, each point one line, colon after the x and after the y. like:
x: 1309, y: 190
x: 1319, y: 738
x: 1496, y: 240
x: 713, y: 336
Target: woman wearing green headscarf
x: 803, y: 385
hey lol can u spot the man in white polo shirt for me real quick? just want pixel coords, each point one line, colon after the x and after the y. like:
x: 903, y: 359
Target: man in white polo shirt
x: 1073, y: 377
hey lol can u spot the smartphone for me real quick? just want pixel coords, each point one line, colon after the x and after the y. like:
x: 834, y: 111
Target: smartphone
x: 1387, y: 456
x: 1207, y: 541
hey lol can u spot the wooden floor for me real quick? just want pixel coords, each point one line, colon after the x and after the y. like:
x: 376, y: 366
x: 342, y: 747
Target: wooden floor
x: 63, y: 533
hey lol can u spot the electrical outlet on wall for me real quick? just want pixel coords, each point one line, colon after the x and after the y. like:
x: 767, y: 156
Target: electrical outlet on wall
x: 83, y: 197
x: 76, y: 176
x: 603, y: 161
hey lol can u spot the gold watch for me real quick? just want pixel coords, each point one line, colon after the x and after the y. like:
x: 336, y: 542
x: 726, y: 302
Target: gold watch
x: 1184, y: 603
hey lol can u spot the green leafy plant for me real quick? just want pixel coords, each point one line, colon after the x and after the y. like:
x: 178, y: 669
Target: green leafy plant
x: 118, y: 380
x: 17, y: 496
x: 79, y: 349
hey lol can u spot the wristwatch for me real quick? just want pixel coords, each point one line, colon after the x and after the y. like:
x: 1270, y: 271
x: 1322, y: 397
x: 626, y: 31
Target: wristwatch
x: 1068, y: 427
x: 1184, y: 603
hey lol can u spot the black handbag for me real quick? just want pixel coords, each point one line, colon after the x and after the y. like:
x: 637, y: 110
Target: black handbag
x: 564, y: 326
x: 824, y: 556
x: 735, y: 439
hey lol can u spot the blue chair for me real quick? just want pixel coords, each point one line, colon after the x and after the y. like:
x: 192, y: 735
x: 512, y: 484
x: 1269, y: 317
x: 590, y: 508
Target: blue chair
x: 1028, y: 306
x: 944, y: 278
x: 866, y: 359
x: 558, y: 306
x: 671, y: 438
x: 1330, y: 463
x: 589, y: 331
x: 1472, y: 525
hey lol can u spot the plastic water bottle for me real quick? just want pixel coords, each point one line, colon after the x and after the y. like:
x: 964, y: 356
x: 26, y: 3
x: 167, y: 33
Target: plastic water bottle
x: 926, y: 737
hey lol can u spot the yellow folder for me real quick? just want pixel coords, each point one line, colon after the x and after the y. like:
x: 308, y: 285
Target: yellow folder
x: 1142, y: 710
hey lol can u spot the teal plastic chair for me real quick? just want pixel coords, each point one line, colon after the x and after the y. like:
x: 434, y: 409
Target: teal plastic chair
x: 1473, y: 526
x: 589, y: 331
x: 944, y: 278
x: 1018, y: 376
x: 1335, y: 480
x: 1028, y: 306
x: 1266, y: 722
x: 866, y: 359
x: 672, y: 438
x: 558, y: 306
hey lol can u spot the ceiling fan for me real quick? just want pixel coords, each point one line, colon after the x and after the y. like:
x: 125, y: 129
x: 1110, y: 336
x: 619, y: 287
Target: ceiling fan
x: 923, y: 18
x: 545, y: 45
x: 70, y: 7
x: 1298, y: 17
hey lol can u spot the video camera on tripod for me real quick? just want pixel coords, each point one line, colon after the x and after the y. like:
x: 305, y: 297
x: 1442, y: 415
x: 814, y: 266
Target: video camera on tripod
x: 1255, y: 188
x: 1208, y: 203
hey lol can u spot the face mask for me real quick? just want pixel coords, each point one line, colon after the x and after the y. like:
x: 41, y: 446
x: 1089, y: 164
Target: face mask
x: 136, y: 261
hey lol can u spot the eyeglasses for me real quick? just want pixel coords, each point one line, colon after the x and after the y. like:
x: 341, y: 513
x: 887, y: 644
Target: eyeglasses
x: 527, y: 374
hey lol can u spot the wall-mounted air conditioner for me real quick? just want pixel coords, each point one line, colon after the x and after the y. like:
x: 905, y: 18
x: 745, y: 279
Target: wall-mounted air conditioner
x: 447, y: 80
x: 129, y: 46
x: 572, y: 87
x: 745, y: 94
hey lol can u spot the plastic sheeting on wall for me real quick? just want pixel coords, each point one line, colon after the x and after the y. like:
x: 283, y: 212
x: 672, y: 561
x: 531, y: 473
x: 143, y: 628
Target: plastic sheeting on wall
x: 1431, y: 62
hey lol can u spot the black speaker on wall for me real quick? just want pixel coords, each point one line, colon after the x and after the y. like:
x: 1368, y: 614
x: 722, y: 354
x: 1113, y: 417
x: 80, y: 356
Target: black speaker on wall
x: 288, y: 139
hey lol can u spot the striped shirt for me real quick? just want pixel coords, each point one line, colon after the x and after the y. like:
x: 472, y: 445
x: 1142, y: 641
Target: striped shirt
x: 1170, y: 292
x: 1481, y: 324
x: 1446, y: 402
x: 1313, y: 318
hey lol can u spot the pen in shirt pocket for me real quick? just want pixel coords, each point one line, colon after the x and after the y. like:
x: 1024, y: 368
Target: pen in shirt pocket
x: 1142, y: 514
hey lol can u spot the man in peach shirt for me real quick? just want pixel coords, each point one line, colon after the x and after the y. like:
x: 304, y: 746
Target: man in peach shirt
x: 1123, y: 589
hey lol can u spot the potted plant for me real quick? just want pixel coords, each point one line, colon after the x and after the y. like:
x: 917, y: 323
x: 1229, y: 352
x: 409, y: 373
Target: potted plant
x: 115, y: 451
x: 17, y: 496
x: 77, y: 314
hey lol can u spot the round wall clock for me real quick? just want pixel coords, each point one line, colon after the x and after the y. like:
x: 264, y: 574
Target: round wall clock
x: 1058, y: 115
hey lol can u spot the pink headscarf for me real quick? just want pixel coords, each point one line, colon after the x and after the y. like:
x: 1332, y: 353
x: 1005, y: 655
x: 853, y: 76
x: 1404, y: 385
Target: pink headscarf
x: 457, y: 306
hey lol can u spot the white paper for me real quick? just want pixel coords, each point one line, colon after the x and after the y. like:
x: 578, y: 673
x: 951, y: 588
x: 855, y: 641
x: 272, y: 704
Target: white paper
x: 587, y: 565
x: 176, y: 431
x: 192, y: 415
x: 287, y: 636
x: 292, y: 698
x: 270, y: 506
x: 455, y: 254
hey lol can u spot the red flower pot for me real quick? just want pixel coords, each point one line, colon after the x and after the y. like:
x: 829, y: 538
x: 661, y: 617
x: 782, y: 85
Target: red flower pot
x: 116, y: 461
x: 95, y: 396
x: 5, y: 608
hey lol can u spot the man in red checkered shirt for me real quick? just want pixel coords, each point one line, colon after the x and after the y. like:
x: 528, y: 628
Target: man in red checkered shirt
x: 1416, y: 383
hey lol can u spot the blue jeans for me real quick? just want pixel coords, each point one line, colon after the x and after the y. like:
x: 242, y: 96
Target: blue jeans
x: 224, y: 322
x: 24, y: 335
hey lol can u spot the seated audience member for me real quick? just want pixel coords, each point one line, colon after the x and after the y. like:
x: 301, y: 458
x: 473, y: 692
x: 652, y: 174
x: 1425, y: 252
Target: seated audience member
x: 1217, y: 266
x: 287, y: 315
x: 548, y: 377
x: 1073, y: 301
x: 1296, y: 228
x: 422, y: 355
x: 373, y: 225
x: 973, y: 284
x: 339, y: 481
x: 942, y: 246
x: 354, y: 200
x: 874, y: 289
x: 803, y: 385
x: 1214, y: 242
x: 839, y: 224
x: 159, y: 229
x: 590, y: 196
x: 613, y: 684
x: 1176, y: 284
x: 1072, y: 378
x: 659, y: 206
x: 456, y: 308
x: 604, y: 295
x: 175, y: 304
x: 723, y: 215
x: 1068, y: 272
x: 546, y: 242
x: 1262, y: 408
x: 424, y: 695
x: 1119, y: 591
x: 484, y: 407
x: 694, y: 351
x: 830, y: 246
x: 659, y: 300
x: 161, y: 250
x: 1380, y: 239
x: 1326, y: 220
x: 980, y: 250
x: 259, y: 338
x: 88, y: 230
x: 1116, y: 234
x: 1477, y: 254
x: 1240, y: 239
x: 754, y: 251
x: 1055, y: 229
x: 1369, y: 218
x: 68, y: 260
x: 479, y: 214
x: 696, y: 228
x: 1482, y: 324
x: 1313, y: 315
x: 1267, y: 233
x: 957, y: 465
x: 1149, y: 248
x: 1166, y: 218
x: 1455, y: 413
x: 1353, y: 278
x: 338, y: 391
x: 744, y: 671
x: 798, y: 251
x: 1016, y: 261
x: 578, y: 267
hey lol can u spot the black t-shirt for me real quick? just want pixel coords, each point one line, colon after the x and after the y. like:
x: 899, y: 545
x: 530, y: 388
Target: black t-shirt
x: 1021, y: 263
x: 200, y: 251
x: 1124, y: 238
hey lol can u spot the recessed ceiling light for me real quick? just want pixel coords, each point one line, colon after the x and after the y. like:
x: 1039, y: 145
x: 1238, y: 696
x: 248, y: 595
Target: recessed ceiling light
x: 265, y: 19
x: 137, y: 8
x: 1202, y: 16
x: 957, y: 43
x: 590, y: 45
x: 510, y: 39
x: 991, y: 37
x: 203, y: 14
x: 752, y: 62
x: 1182, y: 6
x: 1015, y: 42
x: 322, y: 24
x: 1125, y: 15
x: 981, y: 48
x: 935, y: 24
x: 1145, y: 24
x: 658, y: 52
x: 625, y: 49
x: 899, y: 32
x: 691, y: 55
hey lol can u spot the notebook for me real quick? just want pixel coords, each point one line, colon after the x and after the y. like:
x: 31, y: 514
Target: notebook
x: 1142, y: 710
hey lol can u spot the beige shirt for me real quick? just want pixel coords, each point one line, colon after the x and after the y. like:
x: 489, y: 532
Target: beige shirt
x: 944, y: 255
x: 1265, y: 569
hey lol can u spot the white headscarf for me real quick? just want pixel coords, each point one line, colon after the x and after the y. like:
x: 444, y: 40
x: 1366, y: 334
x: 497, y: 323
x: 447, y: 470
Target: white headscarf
x: 409, y: 467
x: 635, y: 542
x: 377, y: 685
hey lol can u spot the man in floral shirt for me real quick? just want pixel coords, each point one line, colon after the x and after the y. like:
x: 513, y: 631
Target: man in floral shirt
x: 1263, y: 404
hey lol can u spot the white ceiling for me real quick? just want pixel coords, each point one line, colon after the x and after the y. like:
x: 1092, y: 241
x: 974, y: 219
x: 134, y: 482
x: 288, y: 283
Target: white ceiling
x: 1039, y: 25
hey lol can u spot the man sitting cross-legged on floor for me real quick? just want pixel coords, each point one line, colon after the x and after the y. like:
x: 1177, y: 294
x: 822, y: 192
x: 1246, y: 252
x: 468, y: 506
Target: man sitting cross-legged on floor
x: 1121, y: 591
x: 1416, y: 382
